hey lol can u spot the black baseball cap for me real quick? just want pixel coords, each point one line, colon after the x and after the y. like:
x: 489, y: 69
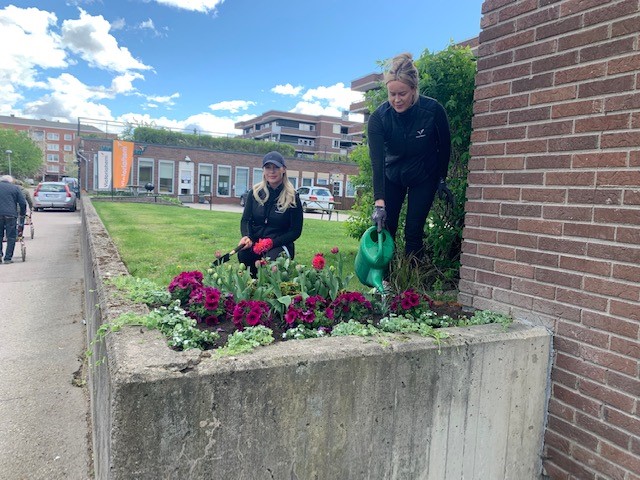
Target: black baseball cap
x: 275, y: 158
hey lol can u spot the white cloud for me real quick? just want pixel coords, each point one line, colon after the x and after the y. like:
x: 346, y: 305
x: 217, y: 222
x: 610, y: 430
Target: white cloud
x: 204, y: 6
x: 233, y: 106
x: 89, y: 37
x: 164, y: 100
x: 205, y: 123
x: 287, y: 89
x: 336, y: 96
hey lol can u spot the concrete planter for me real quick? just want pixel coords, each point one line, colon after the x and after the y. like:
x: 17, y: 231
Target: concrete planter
x: 334, y: 408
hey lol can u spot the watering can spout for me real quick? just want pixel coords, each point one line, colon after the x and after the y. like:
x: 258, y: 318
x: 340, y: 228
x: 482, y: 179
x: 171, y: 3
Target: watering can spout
x: 373, y: 257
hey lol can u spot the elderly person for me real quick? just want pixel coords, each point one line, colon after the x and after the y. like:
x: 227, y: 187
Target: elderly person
x: 11, y: 199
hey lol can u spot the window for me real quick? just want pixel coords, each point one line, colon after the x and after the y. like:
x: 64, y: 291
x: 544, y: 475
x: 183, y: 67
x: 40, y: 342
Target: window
x: 224, y: 180
x: 257, y: 175
x: 294, y: 182
x: 307, y: 182
x: 350, y: 190
x: 53, y: 169
x: 307, y: 127
x: 38, y: 135
x: 68, y: 148
x: 68, y: 137
x: 53, y: 157
x: 145, y: 171
x: 336, y: 128
x: 165, y: 173
x: 306, y: 141
x: 204, y: 179
x: 53, y: 146
x: 242, y: 181
x: 337, y: 188
x: 323, y: 181
x: 336, y: 143
x: 53, y: 136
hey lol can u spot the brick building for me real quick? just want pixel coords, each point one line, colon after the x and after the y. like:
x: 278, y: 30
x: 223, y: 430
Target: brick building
x: 318, y: 136
x: 552, y: 230
x: 194, y: 174
x: 57, y: 140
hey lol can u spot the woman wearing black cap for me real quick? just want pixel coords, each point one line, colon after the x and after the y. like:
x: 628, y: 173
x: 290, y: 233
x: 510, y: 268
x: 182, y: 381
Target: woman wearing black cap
x: 272, y: 211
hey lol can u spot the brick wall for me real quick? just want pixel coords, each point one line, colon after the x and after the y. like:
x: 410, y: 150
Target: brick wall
x: 552, y: 230
x: 336, y: 171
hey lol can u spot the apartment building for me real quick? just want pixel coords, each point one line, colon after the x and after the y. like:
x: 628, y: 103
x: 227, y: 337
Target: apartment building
x: 318, y: 136
x: 57, y: 140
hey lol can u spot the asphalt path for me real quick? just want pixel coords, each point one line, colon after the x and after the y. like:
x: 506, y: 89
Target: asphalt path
x: 44, y: 414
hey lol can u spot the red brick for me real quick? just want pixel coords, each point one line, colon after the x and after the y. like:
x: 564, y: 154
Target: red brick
x: 582, y: 334
x: 554, y: 62
x: 487, y: 149
x: 553, y: 471
x: 529, y: 115
x: 549, y: 162
x: 628, y: 63
x: 536, y: 258
x: 497, y: 31
x: 625, y: 347
x: 493, y: 61
x: 612, y: 11
x: 539, y: 226
x: 572, y: 432
x: 611, y: 324
x: 502, y: 223
x: 581, y: 299
x: 607, y: 396
x: 627, y: 423
x: 485, y: 178
x: 533, y: 83
x: 566, y: 379
x: 507, y: 133
x: 550, y: 129
x: 538, y: 17
x: 528, y: 146
x: 581, y: 73
x: 520, y: 210
x: 556, y: 310
x: 620, y: 140
x: 605, y: 50
x: 536, y: 289
x: 515, y: 269
x: 580, y: 367
x: 585, y: 265
x: 559, y: 27
x: 474, y: 261
x: 628, y: 235
x: 619, y: 216
x: 512, y: 42
x: 479, y: 234
x: 518, y: 239
x: 509, y: 103
x: 629, y: 101
x: 598, y: 232
x: 582, y: 142
x: 511, y: 72
x: 482, y: 207
x: 536, y: 50
x: 508, y: 297
x: 612, y: 360
x: 572, y: 178
x: 492, y: 279
x: 496, y: 251
x: 610, y: 288
x: 630, y: 273
x: 625, y: 309
x: 554, y: 440
x: 506, y: 163
x: 606, y: 86
x: 595, y: 462
x: 594, y: 197
x: 603, y: 122
x: 574, y: 214
x: 625, y: 26
x: 583, y: 37
x: 618, y: 178
x: 620, y: 457
x: 563, y: 245
x: 491, y: 91
x: 571, y: 7
x: 544, y: 195
x: 578, y: 108
x: 599, y: 159
x: 631, y: 197
x: 555, y: 277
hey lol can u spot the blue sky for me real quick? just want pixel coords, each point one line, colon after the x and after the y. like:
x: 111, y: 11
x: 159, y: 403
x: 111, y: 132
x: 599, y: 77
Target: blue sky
x: 207, y: 64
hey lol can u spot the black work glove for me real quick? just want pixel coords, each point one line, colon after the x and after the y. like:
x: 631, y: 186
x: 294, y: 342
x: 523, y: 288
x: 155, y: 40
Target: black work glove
x: 445, y: 194
x: 379, y: 217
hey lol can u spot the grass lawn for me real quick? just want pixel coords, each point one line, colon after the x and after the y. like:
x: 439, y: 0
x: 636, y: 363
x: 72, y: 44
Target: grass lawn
x: 160, y: 241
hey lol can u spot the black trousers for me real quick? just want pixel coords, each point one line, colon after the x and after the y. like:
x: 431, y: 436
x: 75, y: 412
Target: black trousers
x: 249, y: 258
x: 420, y: 199
x: 10, y: 226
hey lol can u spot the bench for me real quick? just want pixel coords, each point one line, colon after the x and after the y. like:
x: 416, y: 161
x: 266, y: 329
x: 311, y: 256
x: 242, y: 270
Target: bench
x: 329, y: 211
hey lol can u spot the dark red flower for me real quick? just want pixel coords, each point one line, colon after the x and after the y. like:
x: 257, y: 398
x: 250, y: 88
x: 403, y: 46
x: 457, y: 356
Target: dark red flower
x: 318, y: 262
x: 334, y: 250
x: 262, y: 246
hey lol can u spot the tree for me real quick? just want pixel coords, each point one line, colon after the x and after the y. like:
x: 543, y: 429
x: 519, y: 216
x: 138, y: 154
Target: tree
x: 26, y: 156
x: 449, y: 77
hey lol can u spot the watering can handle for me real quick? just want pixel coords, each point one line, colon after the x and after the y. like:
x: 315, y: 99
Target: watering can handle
x: 380, y: 251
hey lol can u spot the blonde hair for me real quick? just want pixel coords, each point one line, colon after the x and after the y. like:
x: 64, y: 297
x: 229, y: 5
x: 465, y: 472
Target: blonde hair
x: 286, y: 199
x: 402, y: 69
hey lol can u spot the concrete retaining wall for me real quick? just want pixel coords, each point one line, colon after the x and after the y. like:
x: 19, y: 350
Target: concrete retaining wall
x: 334, y: 408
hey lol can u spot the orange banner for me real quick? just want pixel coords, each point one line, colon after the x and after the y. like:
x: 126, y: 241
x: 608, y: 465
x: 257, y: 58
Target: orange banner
x: 122, y: 162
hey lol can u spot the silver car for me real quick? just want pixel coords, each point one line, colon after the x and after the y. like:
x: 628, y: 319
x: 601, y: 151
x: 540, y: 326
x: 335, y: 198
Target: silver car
x: 316, y: 198
x: 54, y: 195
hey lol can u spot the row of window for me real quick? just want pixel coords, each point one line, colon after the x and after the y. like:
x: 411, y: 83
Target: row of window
x: 38, y: 136
x: 223, y: 187
x: 55, y: 147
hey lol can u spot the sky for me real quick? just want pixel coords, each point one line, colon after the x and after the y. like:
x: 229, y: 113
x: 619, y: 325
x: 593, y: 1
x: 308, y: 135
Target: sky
x: 207, y: 64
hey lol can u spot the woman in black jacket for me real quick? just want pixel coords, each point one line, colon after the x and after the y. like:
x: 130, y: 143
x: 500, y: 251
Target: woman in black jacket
x: 272, y: 211
x: 409, y: 146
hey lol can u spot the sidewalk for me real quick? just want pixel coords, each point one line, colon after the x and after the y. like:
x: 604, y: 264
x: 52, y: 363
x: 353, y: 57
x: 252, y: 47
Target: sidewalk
x: 44, y: 417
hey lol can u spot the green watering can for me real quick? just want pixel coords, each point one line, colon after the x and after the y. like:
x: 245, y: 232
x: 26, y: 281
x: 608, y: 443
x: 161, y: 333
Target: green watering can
x: 373, y: 257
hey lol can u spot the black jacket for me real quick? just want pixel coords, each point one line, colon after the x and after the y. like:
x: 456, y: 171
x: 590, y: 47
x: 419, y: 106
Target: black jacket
x: 10, y: 199
x: 408, y: 147
x: 266, y: 221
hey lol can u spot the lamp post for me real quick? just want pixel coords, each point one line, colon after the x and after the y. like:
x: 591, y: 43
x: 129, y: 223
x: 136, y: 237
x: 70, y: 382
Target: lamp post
x: 9, y: 152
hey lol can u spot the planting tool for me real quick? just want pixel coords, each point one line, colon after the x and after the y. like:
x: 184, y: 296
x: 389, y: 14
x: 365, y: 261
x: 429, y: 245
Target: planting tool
x: 227, y: 256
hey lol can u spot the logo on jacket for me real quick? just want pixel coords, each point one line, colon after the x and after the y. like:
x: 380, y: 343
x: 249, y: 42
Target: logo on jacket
x: 420, y: 133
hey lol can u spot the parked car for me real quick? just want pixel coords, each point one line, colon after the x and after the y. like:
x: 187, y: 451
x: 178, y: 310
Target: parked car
x: 74, y: 185
x: 315, y: 198
x: 54, y: 195
x: 243, y: 198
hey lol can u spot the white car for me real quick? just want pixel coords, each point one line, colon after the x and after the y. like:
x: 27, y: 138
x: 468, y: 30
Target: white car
x: 315, y: 198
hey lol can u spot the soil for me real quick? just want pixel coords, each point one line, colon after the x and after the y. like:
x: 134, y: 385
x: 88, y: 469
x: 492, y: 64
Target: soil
x: 226, y: 328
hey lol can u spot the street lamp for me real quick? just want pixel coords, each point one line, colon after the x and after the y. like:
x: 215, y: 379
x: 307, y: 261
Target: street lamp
x: 9, y: 152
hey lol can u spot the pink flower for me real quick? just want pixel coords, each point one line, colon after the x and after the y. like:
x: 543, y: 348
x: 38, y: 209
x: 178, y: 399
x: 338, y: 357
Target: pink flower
x: 262, y: 246
x: 334, y: 250
x: 318, y: 261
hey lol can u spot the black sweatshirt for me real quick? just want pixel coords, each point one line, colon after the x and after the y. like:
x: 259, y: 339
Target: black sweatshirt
x: 266, y: 221
x: 408, y: 147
